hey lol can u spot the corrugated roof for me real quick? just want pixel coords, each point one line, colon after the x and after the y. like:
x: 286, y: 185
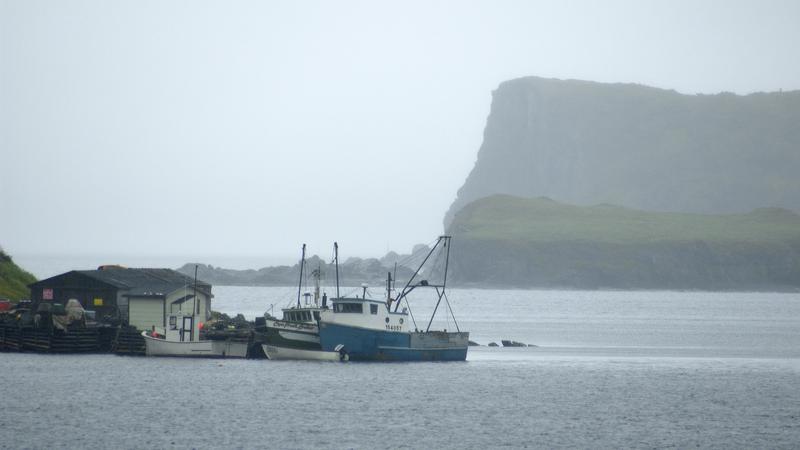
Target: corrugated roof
x: 145, y: 281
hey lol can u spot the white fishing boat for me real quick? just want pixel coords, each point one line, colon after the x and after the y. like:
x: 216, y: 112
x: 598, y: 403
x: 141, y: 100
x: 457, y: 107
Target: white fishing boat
x: 296, y: 335
x: 181, y: 336
x: 182, y: 342
x: 292, y: 338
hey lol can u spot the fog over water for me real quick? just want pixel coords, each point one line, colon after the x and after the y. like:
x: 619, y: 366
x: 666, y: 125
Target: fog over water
x: 247, y: 128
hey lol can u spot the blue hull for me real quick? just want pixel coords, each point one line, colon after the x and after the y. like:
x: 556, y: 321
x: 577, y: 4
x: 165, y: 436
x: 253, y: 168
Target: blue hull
x: 363, y: 344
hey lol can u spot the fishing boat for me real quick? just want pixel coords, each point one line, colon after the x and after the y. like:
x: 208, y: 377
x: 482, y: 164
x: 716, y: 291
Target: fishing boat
x: 182, y: 336
x: 184, y: 342
x: 374, y: 330
x: 296, y: 335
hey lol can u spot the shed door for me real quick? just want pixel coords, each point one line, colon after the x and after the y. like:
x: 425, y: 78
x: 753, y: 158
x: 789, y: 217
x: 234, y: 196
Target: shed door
x: 146, y: 312
x: 187, y: 329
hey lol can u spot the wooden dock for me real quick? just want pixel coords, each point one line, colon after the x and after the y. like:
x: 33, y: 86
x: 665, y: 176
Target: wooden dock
x: 120, y: 340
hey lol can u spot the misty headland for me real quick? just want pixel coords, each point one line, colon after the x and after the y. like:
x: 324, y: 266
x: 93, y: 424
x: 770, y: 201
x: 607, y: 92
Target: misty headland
x: 592, y: 185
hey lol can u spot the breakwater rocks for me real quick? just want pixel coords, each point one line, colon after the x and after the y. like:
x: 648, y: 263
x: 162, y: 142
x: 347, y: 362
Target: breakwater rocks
x: 508, y: 343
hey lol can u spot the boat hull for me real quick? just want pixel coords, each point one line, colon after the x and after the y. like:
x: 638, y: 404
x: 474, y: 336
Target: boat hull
x: 294, y: 340
x: 364, y: 344
x: 193, y: 349
x: 274, y: 352
x: 280, y: 333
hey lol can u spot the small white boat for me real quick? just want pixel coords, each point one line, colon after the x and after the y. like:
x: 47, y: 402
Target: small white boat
x: 160, y: 346
x: 181, y: 336
x: 275, y: 352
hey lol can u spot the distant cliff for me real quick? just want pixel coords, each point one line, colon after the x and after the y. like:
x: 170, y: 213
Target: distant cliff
x: 13, y: 280
x: 504, y: 241
x: 588, y: 143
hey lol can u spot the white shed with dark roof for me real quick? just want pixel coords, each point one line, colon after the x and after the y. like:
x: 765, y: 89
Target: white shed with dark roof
x: 143, y: 298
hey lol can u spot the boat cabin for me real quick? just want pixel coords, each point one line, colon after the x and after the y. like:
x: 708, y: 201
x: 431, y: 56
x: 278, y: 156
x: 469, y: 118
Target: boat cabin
x: 366, y: 313
x: 310, y: 315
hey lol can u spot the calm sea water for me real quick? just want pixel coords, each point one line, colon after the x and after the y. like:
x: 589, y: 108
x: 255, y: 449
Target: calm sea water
x: 612, y: 369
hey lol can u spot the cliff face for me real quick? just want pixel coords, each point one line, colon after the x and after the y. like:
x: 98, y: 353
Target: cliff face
x: 504, y: 241
x: 587, y: 143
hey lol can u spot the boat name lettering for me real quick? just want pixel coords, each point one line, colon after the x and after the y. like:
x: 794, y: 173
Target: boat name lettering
x: 393, y: 327
x: 293, y: 325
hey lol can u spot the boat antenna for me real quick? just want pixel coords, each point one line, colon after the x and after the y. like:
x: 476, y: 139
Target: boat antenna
x: 317, y: 275
x: 336, y: 261
x: 300, y: 283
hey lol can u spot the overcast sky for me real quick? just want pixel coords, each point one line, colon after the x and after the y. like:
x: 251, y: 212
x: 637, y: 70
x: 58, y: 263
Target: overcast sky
x: 249, y: 127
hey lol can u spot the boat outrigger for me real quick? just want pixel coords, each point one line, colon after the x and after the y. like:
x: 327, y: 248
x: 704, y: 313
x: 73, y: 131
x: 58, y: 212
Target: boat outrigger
x: 373, y: 330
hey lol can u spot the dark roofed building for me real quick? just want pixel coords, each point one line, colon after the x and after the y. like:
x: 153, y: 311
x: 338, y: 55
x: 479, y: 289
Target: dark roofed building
x: 139, y: 297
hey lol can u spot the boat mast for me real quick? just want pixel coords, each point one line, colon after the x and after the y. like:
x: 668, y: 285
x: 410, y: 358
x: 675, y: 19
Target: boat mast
x: 300, y: 283
x: 196, y: 300
x: 389, y: 289
x: 446, y: 260
x: 336, y: 260
x: 197, y: 306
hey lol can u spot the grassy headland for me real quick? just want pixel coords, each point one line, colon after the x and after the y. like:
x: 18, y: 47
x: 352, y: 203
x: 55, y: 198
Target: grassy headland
x: 506, y: 240
x: 13, y: 280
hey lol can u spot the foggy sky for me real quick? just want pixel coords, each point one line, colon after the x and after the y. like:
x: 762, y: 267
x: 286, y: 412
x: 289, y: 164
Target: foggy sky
x: 248, y: 128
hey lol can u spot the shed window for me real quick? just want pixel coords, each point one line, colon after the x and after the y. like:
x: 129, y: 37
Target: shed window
x: 316, y: 315
x: 354, y: 308
x: 373, y: 309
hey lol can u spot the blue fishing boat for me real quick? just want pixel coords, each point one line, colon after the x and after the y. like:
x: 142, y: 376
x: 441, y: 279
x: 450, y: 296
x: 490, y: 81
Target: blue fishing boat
x: 374, y: 330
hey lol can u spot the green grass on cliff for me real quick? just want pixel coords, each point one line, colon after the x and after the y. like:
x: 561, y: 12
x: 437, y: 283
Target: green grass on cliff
x: 13, y: 280
x: 503, y: 217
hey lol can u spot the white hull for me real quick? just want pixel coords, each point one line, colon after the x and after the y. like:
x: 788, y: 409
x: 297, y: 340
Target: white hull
x: 206, y: 349
x: 274, y: 352
x: 230, y: 349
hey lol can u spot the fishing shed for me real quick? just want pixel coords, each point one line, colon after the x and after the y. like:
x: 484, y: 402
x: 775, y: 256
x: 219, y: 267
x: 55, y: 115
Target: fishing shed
x: 143, y: 298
